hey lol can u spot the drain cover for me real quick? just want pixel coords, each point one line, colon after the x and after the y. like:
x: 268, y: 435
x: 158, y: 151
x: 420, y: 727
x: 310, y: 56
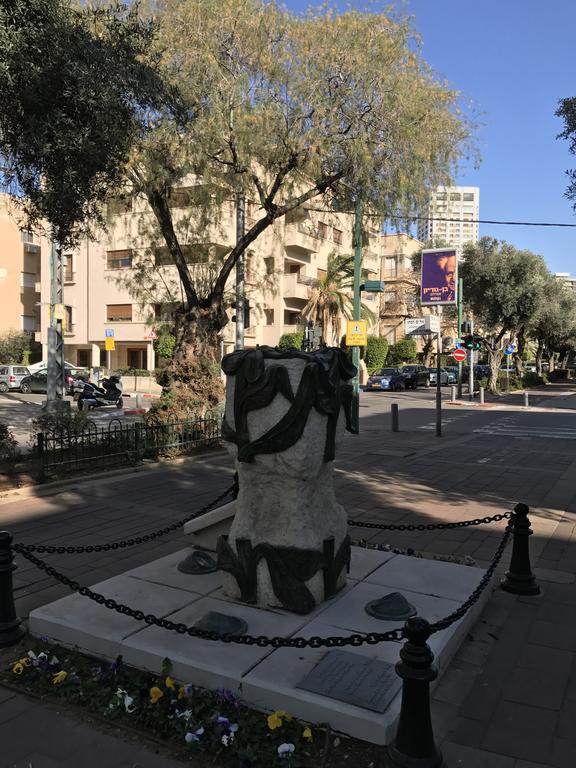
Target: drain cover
x: 391, y: 607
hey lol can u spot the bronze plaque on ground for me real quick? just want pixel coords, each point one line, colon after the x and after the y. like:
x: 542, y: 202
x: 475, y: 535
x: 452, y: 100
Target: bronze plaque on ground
x: 358, y: 680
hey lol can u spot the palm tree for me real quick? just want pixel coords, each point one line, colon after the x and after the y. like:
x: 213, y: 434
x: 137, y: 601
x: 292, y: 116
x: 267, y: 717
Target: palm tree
x: 331, y: 298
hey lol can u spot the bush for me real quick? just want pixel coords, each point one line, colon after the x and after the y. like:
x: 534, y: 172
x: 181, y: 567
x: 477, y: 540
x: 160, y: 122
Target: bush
x: 375, y: 353
x: 15, y: 346
x: 560, y: 374
x: 70, y: 420
x: 515, y: 381
x: 8, y: 447
x: 164, y: 346
x: 531, y: 379
x: 291, y: 340
x: 402, y: 352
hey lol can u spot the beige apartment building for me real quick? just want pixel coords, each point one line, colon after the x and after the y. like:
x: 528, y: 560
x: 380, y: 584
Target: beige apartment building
x: 21, y: 254
x: 281, y: 266
x: 400, y: 297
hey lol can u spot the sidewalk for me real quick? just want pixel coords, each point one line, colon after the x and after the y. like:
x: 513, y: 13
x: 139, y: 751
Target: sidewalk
x: 509, y: 698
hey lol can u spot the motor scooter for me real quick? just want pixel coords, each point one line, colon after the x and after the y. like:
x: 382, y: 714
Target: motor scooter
x: 109, y: 395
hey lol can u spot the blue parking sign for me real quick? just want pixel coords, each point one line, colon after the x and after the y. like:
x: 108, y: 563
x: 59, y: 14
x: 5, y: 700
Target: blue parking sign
x: 109, y: 333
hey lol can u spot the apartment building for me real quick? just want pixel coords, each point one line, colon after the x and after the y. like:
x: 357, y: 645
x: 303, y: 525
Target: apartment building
x: 567, y: 279
x: 452, y: 216
x: 123, y: 285
x: 400, y: 297
x: 21, y: 254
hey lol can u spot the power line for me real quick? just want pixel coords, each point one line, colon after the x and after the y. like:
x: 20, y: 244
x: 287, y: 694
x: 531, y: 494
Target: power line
x: 457, y: 221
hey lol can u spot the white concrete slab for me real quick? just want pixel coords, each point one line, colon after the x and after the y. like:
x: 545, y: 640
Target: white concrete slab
x: 430, y: 577
x: 76, y: 621
x: 205, y: 662
x: 165, y: 571
x: 265, y: 677
x: 216, y: 516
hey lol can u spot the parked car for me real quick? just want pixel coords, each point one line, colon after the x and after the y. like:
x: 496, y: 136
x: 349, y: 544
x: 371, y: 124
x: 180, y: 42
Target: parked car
x: 452, y: 372
x: 74, y: 380
x: 11, y: 376
x: 43, y: 365
x: 416, y: 376
x: 390, y: 379
x: 444, y: 377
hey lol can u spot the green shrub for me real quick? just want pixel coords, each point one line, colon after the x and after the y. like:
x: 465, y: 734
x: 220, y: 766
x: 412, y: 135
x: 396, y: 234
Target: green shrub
x: 531, y: 379
x: 15, y: 346
x: 71, y: 420
x: 515, y: 382
x: 164, y: 345
x: 403, y: 351
x: 291, y: 340
x: 560, y: 374
x: 375, y: 353
x: 8, y: 447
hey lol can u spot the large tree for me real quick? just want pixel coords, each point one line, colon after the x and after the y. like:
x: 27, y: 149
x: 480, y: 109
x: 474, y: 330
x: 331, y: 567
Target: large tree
x: 504, y: 287
x: 75, y: 94
x: 554, y: 326
x: 284, y: 109
x: 567, y: 111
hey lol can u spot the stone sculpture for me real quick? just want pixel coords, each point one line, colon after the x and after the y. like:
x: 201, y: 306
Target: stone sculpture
x: 288, y: 545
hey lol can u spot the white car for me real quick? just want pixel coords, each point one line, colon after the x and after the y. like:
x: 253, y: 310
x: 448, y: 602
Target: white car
x: 40, y: 366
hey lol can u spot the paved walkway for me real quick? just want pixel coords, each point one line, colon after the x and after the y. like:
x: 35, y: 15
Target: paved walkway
x: 509, y: 698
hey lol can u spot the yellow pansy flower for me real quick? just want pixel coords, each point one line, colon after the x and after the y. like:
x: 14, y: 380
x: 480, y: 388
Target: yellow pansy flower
x: 181, y: 692
x: 18, y: 668
x: 274, y: 721
x: 169, y: 683
x: 155, y: 694
x: 59, y: 677
x: 307, y: 733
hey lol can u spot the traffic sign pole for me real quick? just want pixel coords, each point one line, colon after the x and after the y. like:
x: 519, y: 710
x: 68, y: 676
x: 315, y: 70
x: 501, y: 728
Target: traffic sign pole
x: 438, y: 390
x: 471, y: 368
x: 460, y: 301
x: 358, y: 216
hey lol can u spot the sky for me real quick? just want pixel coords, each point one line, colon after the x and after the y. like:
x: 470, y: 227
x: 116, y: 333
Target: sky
x: 513, y: 61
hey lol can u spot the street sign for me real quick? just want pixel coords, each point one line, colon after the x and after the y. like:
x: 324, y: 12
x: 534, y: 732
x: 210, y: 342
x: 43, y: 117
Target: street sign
x: 109, y: 344
x: 421, y: 326
x: 459, y: 355
x: 373, y: 286
x: 356, y: 333
x: 510, y: 349
x: 109, y: 333
x: 150, y: 336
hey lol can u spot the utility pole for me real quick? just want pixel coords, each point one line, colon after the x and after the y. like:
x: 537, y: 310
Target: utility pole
x: 471, y: 367
x: 460, y: 300
x: 358, y: 216
x: 240, y: 297
x: 438, y: 383
x: 55, y: 382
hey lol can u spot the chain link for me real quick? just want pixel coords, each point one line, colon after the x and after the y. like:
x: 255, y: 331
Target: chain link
x: 432, y: 526
x: 122, y: 544
x: 371, y: 638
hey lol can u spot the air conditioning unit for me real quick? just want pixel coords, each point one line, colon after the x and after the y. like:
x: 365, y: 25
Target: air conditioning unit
x: 31, y: 248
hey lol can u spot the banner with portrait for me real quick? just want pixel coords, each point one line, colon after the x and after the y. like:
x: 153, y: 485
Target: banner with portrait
x: 439, y: 276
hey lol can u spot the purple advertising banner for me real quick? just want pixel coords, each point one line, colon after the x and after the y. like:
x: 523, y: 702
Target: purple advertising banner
x: 439, y: 276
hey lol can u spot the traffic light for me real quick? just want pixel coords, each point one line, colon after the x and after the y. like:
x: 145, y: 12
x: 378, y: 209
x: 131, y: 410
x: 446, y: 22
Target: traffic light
x: 472, y: 342
x: 466, y: 328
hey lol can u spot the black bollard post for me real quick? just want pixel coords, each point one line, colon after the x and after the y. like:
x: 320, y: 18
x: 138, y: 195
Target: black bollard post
x: 10, y: 630
x: 414, y: 746
x: 395, y: 419
x: 519, y: 579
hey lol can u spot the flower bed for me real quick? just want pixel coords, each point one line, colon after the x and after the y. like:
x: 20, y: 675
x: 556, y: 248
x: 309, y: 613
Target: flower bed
x: 194, y: 719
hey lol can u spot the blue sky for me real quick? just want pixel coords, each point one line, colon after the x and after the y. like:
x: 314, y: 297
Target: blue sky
x: 513, y: 60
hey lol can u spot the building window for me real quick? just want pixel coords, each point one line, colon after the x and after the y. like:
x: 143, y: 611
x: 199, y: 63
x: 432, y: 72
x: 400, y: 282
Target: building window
x: 390, y: 266
x: 269, y: 316
x: 468, y: 197
x: 68, y: 260
x: 390, y: 335
x: 181, y: 197
x: 323, y: 230
x: 68, y: 318
x: 337, y: 236
x: 83, y: 358
x: 27, y: 323
x: 441, y: 196
x: 119, y: 204
x: 119, y: 259
x: 137, y: 358
x: 455, y: 196
x: 27, y: 279
x: 269, y: 262
x: 163, y: 257
x: 118, y: 313
x: 27, y: 236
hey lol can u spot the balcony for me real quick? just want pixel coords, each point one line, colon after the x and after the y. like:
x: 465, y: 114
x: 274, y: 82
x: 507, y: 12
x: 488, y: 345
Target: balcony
x: 371, y: 262
x: 302, y: 237
x: 297, y: 286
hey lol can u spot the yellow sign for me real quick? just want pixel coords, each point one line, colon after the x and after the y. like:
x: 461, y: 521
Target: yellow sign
x: 356, y: 333
x: 59, y: 312
x: 109, y: 345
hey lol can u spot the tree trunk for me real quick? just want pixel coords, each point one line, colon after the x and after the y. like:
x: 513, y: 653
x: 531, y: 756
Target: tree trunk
x: 539, y: 356
x: 519, y: 354
x: 494, y: 361
x: 552, y: 361
x: 428, y: 351
x: 191, y: 381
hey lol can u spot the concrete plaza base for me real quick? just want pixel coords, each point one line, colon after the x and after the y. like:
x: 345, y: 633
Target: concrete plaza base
x: 264, y: 677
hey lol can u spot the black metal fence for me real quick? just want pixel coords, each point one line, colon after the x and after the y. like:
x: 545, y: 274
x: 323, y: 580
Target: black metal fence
x: 62, y: 452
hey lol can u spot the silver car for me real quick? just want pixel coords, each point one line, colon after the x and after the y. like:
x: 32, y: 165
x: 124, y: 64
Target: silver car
x: 444, y: 377
x: 11, y: 376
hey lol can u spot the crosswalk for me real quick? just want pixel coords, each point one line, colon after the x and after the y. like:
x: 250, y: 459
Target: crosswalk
x: 511, y: 427
x: 446, y: 420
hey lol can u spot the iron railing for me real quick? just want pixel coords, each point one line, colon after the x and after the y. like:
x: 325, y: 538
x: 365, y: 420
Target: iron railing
x: 62, y: 452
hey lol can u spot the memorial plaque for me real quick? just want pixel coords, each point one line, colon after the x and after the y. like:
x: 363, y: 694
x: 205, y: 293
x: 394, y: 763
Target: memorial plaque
x: 358, y: 680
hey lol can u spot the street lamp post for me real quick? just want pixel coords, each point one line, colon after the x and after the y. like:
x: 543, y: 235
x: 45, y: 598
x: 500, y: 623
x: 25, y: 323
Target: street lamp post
x: 357, y: 309
x: 55, y: 381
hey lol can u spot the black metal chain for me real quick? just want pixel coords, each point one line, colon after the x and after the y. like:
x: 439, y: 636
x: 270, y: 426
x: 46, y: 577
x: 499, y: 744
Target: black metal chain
x: 122, y: 544
x: 475, y: 596
x: 371, y: 638
x: 431, y: 526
